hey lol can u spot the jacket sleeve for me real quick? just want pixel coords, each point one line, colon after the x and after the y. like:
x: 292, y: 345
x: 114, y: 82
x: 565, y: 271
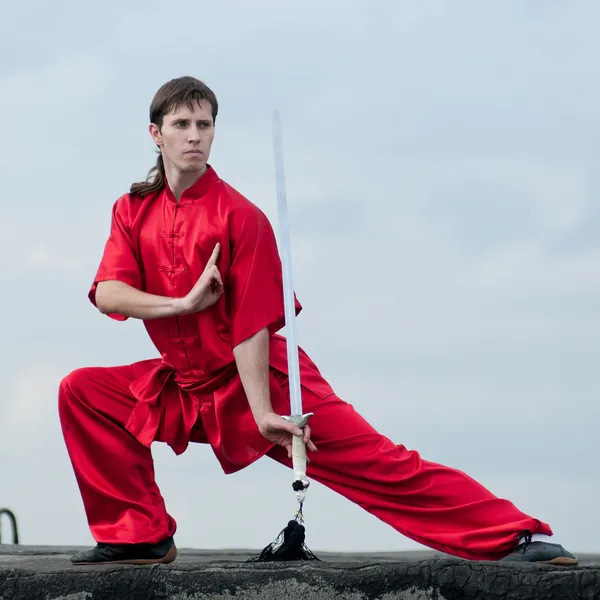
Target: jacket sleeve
x: 119, y: 261
x: 255, y: 281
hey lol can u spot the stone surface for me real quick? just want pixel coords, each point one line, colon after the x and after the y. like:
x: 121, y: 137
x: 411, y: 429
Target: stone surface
x: 46, y: 573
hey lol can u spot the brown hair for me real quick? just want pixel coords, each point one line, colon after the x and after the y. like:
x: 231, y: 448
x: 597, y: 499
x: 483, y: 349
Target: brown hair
x: 171, y: 95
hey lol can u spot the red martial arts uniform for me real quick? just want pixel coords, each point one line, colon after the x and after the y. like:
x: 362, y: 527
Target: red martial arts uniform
x: 111, y: 415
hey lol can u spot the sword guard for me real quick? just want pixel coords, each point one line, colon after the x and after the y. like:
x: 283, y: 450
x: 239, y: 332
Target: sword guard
x: 298, y: 420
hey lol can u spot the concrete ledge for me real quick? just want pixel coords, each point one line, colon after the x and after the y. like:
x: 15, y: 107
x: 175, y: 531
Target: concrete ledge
x: 46, y: 573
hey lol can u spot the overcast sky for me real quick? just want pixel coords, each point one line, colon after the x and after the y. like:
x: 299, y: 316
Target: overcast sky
x: 442, y: 168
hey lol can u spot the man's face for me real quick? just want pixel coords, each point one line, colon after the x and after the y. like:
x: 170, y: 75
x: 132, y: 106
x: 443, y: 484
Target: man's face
x: 186, y: 137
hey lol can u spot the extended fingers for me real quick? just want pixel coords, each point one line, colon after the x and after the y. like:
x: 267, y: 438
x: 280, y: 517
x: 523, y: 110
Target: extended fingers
x: 217, y: 276
x: 212, y: 261
x: 214, y: 280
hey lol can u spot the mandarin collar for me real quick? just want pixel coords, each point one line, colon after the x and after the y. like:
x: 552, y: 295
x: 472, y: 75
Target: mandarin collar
x: 195, y: 191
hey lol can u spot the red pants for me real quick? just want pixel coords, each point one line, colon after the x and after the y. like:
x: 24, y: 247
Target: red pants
x: 434, y: 505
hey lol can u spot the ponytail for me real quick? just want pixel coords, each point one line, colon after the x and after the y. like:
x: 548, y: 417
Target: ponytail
x: 150, y: 186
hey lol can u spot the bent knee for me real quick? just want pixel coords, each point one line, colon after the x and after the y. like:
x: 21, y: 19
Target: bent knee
x: 73, y: 383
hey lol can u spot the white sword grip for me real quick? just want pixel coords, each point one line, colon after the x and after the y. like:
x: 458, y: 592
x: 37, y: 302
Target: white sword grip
x: 299, y: 465
x: 299, y: 457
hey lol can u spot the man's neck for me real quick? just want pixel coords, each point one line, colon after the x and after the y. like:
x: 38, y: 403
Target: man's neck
x: 179, y: 182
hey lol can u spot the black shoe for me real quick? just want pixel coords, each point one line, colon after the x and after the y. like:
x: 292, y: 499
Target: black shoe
x: 128, y: 554
x: 541, y: 552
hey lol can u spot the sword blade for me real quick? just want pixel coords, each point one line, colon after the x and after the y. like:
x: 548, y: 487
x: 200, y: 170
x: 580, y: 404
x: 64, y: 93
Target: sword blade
x: 288, y: 281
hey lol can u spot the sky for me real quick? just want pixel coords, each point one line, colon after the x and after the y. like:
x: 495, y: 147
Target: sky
x: 442, y: 177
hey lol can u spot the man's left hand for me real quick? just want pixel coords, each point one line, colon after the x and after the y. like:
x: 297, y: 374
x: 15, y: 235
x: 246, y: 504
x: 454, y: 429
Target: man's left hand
x: 279, y: 431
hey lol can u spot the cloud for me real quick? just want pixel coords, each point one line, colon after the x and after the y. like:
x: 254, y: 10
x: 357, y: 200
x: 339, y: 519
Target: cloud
x: 32, y: 414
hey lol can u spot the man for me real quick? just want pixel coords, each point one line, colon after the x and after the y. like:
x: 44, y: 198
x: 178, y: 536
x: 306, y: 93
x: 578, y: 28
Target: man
x: 198, y: 263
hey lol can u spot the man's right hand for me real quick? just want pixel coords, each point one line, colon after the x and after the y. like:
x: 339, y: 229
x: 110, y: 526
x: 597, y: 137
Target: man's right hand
x: 206, y: 291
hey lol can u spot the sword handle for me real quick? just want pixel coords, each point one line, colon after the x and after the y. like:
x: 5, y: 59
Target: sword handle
x: 299, y: 461
x: 299, y: 466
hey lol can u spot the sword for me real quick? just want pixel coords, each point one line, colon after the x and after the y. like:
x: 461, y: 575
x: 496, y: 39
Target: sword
x: 289, y: 544
x: 297, y: 417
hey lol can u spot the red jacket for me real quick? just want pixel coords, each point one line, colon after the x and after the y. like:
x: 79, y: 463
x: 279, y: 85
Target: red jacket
x: 161, y: 246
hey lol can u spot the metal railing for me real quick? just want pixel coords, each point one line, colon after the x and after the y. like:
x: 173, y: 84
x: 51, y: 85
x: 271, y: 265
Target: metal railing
x: 13, y: 521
